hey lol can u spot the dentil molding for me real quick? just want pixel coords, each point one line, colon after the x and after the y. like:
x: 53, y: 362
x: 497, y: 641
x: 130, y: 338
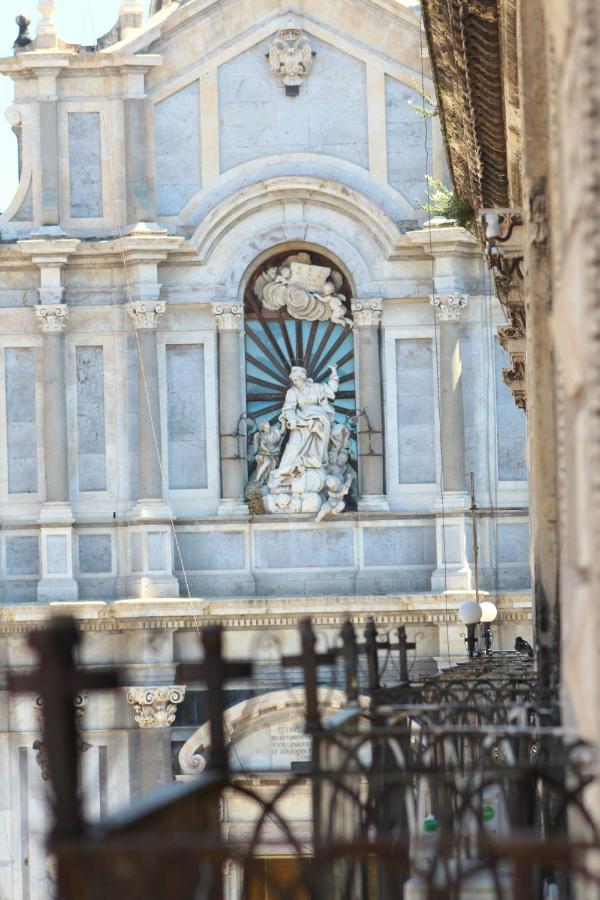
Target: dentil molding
x: 155, y: 707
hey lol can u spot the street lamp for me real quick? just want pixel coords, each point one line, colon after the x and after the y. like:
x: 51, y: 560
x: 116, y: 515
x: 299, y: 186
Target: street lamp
x: 470, y: 614
x: 488, y: 615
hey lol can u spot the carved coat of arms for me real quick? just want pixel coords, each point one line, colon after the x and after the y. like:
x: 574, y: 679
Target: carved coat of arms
x: 290, y: 57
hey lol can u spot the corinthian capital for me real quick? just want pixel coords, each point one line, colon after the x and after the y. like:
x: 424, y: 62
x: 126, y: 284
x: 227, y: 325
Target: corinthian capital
x: 52, y: 318
x: 146, y: 313
x: 367, y: 313
x: 228, y: 316
x: 155, y: 707
x: 448, y: 307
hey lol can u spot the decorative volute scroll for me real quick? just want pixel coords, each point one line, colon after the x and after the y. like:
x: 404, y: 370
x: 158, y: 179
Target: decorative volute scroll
x: 155, y: 707
x: 306, y: 291
x: 290, y: 57
x: 146, y: 313
x: 448, y: 307
x: 52, y: 318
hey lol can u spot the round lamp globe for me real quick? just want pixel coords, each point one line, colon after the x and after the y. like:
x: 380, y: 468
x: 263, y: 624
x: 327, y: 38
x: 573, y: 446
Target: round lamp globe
x: 470, y: 612
x: 488, y: 611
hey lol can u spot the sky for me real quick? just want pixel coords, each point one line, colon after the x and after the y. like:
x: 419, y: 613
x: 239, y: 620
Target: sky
x: 78, y: 21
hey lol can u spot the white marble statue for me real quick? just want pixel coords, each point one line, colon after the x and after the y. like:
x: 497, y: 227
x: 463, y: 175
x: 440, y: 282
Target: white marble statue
x: 267, y: 448
x: 313, y: 475
x: 307, y: 292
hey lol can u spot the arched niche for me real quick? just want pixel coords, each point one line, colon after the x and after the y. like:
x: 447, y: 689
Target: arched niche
x: 278, y: 339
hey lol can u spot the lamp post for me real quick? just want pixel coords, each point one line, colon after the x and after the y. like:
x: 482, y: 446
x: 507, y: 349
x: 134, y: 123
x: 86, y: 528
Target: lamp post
x: 470, y: 614
x: 488, y: 615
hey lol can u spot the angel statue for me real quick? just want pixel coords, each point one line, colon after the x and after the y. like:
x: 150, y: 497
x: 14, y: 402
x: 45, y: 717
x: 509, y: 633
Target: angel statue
x: 307, y: 291
x: 267, y: 447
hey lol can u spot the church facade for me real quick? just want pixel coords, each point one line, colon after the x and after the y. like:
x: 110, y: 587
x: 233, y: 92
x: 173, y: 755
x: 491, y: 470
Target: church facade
x: 245, y: 378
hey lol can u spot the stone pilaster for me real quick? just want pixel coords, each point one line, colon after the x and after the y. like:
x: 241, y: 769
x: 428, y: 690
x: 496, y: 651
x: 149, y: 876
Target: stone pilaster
x: 150, y: 534
x: 229, y: 321
x: 453, y: 570
x: 154, y: 710
x: 366, y: 315
x: 56, y: 518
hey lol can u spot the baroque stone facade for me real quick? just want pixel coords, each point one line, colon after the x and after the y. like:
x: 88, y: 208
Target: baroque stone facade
x: 170, y: 259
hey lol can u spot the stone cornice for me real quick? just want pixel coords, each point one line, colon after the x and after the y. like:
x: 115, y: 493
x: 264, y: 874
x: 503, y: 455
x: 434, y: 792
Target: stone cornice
x: 136, y: 615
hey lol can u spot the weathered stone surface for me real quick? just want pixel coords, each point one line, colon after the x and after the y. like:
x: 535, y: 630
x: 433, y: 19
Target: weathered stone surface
x: 257, y: 119
x: 95, y: 553
x: 91, y: 429
x: 22, y: 556
x: 511, y: 425
x: 406, y: 141
x: 416, y: 411
x: 205, y: 550
x: 411, y: 545
x: 85, y: 165
x: 177, y: 149
x: 186, y: 416
x: 21, y: 437
x: 299, y: 548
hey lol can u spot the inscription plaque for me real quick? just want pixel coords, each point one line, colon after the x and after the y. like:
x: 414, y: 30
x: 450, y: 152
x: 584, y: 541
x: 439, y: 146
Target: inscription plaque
x: 289, y: 744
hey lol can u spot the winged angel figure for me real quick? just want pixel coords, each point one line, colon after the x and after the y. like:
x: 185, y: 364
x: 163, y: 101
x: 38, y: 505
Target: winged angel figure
x: 290, y: 56
x: 306, y: 291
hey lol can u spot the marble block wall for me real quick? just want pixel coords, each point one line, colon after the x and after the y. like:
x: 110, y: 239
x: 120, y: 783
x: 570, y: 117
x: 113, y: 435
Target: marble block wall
x: 328, y: 116
x: 177, y: 149
x: 85, y: 165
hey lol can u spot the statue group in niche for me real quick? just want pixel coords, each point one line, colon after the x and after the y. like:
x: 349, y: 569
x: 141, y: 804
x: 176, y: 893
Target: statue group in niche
x: 307, y: 292
x: 313, y: 474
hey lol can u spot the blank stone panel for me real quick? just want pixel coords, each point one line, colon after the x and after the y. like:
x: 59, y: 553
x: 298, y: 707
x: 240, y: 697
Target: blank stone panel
x: 22, y: 556
x: 511, y: 426
x: 412, y: 545
x: 85, y: 165
x: 513, y: 543
x: 416, y: 412
x: 177, y: 149
x: 186, y: 416
x: 299, y: 549
x: 95, y: 554
x: 406, y: 141
x: 91, y: 428
x: 21, y: 436
x: 206, y: 551
x: 328, y: 116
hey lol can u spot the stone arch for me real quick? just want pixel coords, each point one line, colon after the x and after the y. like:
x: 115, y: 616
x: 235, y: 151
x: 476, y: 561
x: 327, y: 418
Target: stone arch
x: 311, y: 211
x: 251, y: 716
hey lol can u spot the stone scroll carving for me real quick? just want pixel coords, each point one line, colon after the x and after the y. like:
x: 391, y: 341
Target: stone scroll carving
x: 290, y: 57
x: 307, y: 292
x: 155, y: 707
x: 312, y: 472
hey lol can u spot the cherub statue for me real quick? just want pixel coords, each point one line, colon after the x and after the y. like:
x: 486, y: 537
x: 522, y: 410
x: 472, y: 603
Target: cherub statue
x: 335, y: 301
x: 336, y: 491
x: 267, y: 448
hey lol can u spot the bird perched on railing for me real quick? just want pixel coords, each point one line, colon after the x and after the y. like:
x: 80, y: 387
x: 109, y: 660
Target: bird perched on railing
x: 523, y: 646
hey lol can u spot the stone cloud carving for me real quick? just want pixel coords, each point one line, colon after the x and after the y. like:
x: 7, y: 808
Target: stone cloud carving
x: 290, y: 57
x: 306, y: 291
x: 313, y: 474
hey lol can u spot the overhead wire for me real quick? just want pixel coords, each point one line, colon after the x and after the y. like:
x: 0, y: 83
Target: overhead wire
x: 428, y: 176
